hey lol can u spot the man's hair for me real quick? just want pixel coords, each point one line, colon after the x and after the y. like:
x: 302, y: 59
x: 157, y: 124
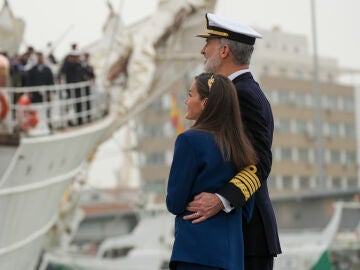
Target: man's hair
x: 242, y: 52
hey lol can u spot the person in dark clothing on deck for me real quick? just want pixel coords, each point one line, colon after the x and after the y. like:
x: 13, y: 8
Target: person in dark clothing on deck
x: 73, y: 73
x: 88, y: 74
x: 40, y: 74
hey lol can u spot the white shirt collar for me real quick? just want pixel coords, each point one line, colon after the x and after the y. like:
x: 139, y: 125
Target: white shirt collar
x: 237, y: 73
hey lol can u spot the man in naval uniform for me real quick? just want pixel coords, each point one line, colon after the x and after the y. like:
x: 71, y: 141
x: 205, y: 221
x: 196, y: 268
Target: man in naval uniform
x: 228, y: 49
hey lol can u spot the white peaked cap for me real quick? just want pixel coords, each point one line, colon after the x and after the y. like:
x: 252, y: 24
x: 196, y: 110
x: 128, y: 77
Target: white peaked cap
x: 217, y: 26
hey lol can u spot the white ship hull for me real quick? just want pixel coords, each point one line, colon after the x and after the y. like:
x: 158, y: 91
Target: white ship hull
x: 39, y: 171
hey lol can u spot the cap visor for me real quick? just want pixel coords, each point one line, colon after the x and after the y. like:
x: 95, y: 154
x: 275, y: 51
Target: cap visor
x: 207, y: 35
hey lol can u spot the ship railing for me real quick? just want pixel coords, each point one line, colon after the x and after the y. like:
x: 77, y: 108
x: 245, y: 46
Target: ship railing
x: 40, y: 110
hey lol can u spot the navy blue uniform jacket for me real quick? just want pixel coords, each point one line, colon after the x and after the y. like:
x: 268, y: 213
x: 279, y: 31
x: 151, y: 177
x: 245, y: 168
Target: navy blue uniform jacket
x: 199, y: 167
x: 261, y: 233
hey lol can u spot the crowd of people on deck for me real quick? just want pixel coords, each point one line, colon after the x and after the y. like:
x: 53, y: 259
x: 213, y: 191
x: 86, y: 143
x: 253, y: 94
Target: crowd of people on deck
x: 33, y: 68
x: 38, y: 68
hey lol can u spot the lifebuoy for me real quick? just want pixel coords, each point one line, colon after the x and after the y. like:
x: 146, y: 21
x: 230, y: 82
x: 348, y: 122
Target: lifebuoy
x: 29, y: 118
x: 4, y: 106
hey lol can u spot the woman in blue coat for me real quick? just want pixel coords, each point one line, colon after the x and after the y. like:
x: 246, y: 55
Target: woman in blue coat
x: 212, y: 151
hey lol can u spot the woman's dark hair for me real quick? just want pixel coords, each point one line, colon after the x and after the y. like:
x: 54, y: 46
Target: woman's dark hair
x: 222, y: 118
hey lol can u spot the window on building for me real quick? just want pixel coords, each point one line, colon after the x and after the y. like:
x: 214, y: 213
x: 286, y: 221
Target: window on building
x: 157, y: 186
x: 153, y: 131
x: 352, y: 183
x: 335, y: 156
x: 286, y: 154
x: 312, y: 155
x: 349, y: 104
x: 301, y: 126
x: 168, y: 130
x: 276, y: 153
x: 309, y: 100
x: 304, y: 182
x: 273, y: 96
x: 349, y: 131
x: 303, y: 155
x: 332, y: 102
x: 284, y: 98
x: 271, y: 182
x: 350, y: 157
x: 324, y: 102
x: 300, y: 99
x: 155, y: 159
x: 336, y: 183
x: 334, y: 130
x: 287, y: 182
x: 284, y: 126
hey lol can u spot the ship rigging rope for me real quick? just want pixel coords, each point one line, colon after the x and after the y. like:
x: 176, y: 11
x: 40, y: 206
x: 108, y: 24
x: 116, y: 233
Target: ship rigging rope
x: 113, y: 34
x: 4, y: 106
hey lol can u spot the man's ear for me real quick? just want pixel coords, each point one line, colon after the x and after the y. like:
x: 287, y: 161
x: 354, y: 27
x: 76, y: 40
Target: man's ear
x: 225, y: 51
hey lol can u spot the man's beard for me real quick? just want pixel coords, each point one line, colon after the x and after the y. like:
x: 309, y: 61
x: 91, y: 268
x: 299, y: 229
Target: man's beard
x: 213, y: 63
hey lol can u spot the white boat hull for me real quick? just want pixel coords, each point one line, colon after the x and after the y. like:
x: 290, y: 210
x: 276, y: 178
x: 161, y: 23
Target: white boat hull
x: 32, y: 186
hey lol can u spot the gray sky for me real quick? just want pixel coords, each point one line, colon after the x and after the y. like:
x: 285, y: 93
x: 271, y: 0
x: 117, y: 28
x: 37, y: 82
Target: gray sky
x: 81, y: 20
x: 336, y: 21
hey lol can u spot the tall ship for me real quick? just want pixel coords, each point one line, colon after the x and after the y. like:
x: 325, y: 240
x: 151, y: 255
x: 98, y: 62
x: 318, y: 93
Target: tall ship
x: 46, y: 146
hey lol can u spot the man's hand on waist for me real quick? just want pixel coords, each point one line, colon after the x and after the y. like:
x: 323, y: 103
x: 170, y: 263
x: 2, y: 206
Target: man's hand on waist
x: 204, y: 206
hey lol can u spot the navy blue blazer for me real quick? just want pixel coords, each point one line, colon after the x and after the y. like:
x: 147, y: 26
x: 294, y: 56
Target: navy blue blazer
x: 199, y: 167
x: 261, y: 233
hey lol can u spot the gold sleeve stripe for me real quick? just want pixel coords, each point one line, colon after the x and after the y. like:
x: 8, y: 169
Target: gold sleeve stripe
x: 253, y: 180
x: 250, y: 190
x: 248, y: 178
x: 247, y: 181
x: 252, y: 170
x: 242, y: 187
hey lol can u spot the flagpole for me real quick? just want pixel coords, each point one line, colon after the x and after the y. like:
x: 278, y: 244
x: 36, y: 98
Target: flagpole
x: 317, y: 105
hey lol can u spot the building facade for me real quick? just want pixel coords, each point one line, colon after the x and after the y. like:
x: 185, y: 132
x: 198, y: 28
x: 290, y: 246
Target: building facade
x: 283, y: 66
x: 285, y: 70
